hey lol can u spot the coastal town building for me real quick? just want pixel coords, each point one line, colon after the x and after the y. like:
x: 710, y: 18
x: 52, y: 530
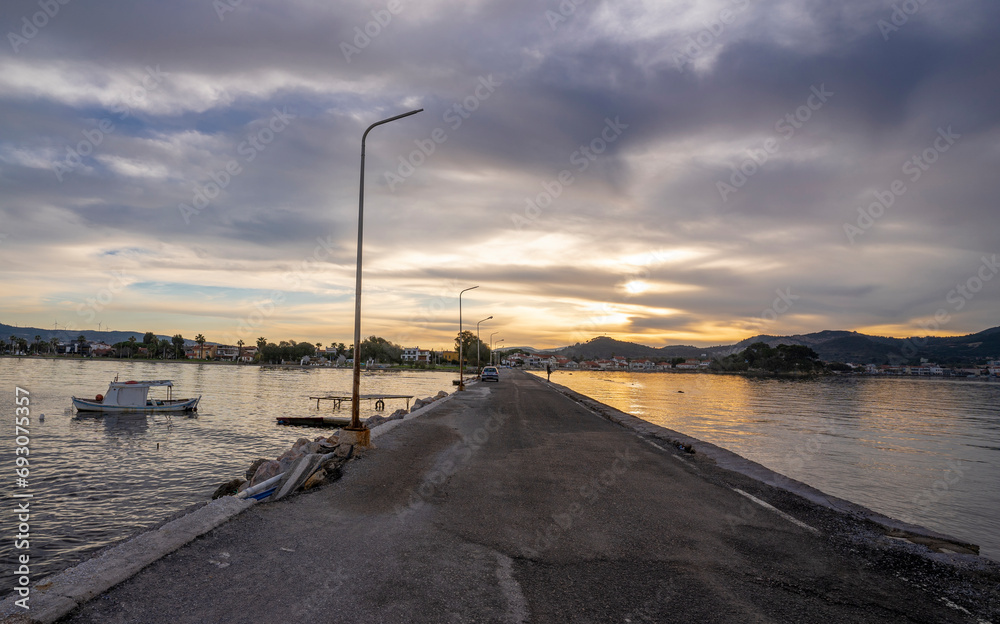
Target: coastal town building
x: 416, y: 355
x: 694, y: 364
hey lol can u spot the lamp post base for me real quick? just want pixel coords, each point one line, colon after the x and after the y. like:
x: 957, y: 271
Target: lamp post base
x: 358, y: 437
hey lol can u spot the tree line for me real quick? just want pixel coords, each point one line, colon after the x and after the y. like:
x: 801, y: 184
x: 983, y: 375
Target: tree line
x: 373, y: 348
x: 781, y: 359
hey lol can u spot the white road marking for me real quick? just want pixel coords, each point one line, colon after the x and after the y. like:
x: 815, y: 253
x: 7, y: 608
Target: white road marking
x: 651, y: 443
x: 517, y: 604
x: 794, y: 521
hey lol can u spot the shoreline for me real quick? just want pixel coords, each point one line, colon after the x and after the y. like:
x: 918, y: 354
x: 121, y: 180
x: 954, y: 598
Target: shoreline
x: 258, y: 365
x: 747, y: 374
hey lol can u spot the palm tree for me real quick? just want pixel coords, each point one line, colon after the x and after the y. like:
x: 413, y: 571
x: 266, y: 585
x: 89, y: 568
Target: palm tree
x: 37, y: 340
x: 201, y: 343
x: 12, y: 339
x: 131, y: 346
x: 55, y: 344
x: 240, y: 343
x: 261, y: 343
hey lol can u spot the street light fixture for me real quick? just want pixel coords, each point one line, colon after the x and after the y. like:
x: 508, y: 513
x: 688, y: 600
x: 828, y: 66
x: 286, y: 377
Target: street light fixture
x: 497, y: 363
x: 356, y: 386
x: 491, y: 345
x: 479, y: 342
x: 461, y: 363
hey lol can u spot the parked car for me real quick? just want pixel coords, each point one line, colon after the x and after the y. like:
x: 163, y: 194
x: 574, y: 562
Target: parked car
x: 490, y: 373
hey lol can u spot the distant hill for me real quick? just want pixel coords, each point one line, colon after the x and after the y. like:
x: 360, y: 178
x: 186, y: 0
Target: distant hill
x: 604, y: 347
x: 831, y: 345
x: 845, y: 346
x: 67, y: 335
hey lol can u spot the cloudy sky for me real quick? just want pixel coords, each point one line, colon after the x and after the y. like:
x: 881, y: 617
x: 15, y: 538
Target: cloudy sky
x: 668, y: 172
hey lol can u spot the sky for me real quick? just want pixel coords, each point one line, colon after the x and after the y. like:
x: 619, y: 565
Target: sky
x: 665, y: 172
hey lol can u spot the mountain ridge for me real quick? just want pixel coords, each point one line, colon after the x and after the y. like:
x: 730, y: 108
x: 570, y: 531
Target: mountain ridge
x: 830, y: 345
x: 70, y: 335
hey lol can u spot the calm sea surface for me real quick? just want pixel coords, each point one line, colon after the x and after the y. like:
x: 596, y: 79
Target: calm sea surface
x: 922, y: 450
x: 96, y: 480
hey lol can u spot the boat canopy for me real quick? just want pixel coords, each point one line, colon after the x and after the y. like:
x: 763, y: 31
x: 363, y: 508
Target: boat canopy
x: 141, y: 384
x: 133, y: 393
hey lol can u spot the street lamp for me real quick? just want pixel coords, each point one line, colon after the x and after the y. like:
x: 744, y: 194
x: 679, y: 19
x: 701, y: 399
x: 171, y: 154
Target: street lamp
x: 491, y: 345
x: 461, y: 363
x: 491, y: 352
x: 356, y: 388
x: 479, y: 342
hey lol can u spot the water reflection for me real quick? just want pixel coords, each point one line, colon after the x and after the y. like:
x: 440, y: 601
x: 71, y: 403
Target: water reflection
x: 924, y: 450
x: 98, y: 479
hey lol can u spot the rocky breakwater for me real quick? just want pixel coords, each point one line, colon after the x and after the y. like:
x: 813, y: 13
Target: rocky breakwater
x: 327, y: 453
x: 309, y: 464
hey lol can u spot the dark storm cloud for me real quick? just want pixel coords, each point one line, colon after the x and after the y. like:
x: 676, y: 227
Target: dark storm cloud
x: 690, y: 122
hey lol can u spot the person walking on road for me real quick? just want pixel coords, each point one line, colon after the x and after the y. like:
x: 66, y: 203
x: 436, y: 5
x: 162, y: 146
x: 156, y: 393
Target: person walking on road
x: 548, y: 372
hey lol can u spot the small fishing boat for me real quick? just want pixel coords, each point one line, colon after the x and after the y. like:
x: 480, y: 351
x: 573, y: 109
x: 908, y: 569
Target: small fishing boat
x: 126, y: 397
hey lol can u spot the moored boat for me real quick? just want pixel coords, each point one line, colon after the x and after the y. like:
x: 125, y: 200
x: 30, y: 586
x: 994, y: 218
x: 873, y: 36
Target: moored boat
x: 133, y: 397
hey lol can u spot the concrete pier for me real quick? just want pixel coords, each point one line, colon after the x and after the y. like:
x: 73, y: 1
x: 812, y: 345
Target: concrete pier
x: 511, y: 502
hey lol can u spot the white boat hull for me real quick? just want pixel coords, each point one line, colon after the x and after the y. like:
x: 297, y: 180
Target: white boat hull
x: 152, y: 406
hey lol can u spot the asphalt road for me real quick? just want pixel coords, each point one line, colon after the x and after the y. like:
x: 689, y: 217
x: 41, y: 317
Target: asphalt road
x: 512, y: 503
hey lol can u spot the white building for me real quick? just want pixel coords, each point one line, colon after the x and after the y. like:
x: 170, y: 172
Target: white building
x: 416, y: 355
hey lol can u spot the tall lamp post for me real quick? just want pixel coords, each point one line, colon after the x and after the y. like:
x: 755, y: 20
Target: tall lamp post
x: 479, y: 342
x: 497, y: 363
x: 356, y: 387
x: 491, y: 345
x: 461, y: 362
